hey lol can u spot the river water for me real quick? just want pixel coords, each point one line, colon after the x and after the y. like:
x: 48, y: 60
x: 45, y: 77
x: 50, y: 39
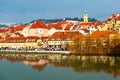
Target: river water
x: 59, y: 67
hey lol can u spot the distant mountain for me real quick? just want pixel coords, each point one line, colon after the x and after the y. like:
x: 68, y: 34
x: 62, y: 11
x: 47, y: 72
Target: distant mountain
x: 51, y: 20
x: 81, y: 19
x: 47, y: 21
x: 3, y: 25
x: 92, y: 19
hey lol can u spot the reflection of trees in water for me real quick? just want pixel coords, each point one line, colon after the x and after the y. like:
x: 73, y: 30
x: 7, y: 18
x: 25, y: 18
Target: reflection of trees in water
x: 85, y: 64
x: 80, y: 64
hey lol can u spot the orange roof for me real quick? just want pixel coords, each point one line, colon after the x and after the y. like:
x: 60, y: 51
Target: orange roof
x: 19, y: 39
x: 99, y: 23
x: 11, y: 29
x: 19, y: 27
x: 44, y: 38
x: 57, y: 25
x: 83, y: 24
x: 1, y: 37
x: 114, y: 16
x: 87, y: 24
x: 38, y: 24
x: 102, y: 33
x: 63, y: 35
x: 108, y: 19
x: 2, y: 30
x: 68, y: 26
x: 95, y: 24
x: 32, y: 38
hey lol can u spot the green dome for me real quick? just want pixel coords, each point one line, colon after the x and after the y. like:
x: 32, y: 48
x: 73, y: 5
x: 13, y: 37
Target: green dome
x: 85, y: 14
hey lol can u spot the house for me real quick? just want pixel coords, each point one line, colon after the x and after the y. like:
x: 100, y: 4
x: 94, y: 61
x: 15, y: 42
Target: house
x: 61, y: 39
x: 30, y: 42
x: 19, y: 28
x: 89, y: 27
x: 112, y: 23
x: 104, y: 37
x: 38, y: 28
x: 60, y: 26
x: 25, y: 31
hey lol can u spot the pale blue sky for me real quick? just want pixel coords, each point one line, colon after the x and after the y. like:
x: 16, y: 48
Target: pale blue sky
x: 22, y: 11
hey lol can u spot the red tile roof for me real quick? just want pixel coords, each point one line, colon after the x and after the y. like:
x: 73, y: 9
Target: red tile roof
x: 19, y: 39
x: 38, y: 24
x: 68, y: 26
x: 55, y: 25
x: 2, y: 30
x: 19, y: 27
x: 1, y: 37
x: 63, y: 35
x: 11, y: 29
x: 102, y: 33
x: 114, y: 16
x: 44, y: 38
x: 93, y: 24
x: 99, y: 23
x: 83, y: 24
x: 59, y: 25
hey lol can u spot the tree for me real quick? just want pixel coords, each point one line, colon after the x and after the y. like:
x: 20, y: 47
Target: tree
x: 76, y: 47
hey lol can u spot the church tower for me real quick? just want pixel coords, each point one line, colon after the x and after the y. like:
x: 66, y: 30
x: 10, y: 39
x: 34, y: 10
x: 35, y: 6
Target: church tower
x: 85, y: 17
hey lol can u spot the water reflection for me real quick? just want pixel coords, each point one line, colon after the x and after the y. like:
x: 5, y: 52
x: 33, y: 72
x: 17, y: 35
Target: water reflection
x: 39, y: 65
x: 80, y: 64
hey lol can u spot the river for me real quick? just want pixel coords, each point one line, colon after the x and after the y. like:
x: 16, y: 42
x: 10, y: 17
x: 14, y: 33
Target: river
x: 59, y: 67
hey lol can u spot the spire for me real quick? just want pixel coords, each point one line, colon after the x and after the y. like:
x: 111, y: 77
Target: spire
x: 85, y: 17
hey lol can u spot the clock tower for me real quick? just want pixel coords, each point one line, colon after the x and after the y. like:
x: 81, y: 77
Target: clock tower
x: 85, y: 17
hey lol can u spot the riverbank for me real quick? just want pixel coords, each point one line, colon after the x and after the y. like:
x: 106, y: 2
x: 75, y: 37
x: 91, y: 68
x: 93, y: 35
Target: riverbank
x: 33, y: 52
x: 57, y: 52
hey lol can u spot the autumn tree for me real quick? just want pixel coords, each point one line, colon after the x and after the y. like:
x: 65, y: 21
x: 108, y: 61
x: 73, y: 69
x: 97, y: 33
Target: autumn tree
x: 114, y: 44
x: 76, y: 47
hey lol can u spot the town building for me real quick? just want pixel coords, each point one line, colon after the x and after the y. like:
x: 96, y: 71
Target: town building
x: 57, y: 36
x: 20, y: 43
x: 87, y: 27
x: 60, y: 26
x: 61, y: 39
x: 39, y: 29
x: 112, y: 23
x: 85, y: 17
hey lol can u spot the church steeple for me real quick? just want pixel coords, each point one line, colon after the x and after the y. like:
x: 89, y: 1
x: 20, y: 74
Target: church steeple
x: 85, y: 17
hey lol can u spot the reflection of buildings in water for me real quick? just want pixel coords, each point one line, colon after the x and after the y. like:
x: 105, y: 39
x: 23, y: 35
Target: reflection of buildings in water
x: 13, y: 59
x: 57, y: 56
x: 1, y: 58
x: 81, y: 64
x: 39, y: 65
x: 102, y: 59
x: 40, y: 62
x: 59, y: 63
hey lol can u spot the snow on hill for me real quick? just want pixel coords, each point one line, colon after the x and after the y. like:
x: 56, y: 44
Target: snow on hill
x: 6, y: 24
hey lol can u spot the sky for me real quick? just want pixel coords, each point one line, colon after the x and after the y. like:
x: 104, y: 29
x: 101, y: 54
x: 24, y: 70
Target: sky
x: 24, y: 11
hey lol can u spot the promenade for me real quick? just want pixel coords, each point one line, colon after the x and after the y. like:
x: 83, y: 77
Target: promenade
x: 36, y: 52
